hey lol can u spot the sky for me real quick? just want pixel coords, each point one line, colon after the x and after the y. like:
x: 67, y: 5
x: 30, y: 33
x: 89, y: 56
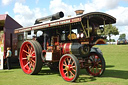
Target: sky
x: 25, y: 12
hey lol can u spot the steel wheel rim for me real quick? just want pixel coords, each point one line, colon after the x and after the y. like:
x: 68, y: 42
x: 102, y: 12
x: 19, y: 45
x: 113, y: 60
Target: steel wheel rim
x: 95, y: 67
x: 68, y: 68
x: 27, y: 57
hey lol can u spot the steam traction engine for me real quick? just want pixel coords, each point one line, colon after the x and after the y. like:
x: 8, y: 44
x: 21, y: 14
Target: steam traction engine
x: 65, y: 44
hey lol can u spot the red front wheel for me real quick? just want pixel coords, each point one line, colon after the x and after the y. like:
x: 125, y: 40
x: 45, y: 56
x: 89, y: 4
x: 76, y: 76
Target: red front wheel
x: 69, y: 67
x: 30, y: 57
x: 96, y: 64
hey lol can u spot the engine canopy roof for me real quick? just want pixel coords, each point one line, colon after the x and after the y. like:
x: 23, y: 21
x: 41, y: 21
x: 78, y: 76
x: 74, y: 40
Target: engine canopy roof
x: 96, y: 17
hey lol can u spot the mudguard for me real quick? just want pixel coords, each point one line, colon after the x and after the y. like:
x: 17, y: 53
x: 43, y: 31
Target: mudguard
x: 96, y: 50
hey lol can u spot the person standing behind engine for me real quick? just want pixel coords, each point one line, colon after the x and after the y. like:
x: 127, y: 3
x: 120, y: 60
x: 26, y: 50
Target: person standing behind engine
x: 8, y: 56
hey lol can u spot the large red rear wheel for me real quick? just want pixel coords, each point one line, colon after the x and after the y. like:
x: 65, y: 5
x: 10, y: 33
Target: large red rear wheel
x: 96, y: 64
x: 69, y: 67
x: 30, y: 57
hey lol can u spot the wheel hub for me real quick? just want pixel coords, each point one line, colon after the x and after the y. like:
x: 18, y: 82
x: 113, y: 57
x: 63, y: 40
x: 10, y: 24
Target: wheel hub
x: 68, y: 68
x: 29, y: 57
x: 94, y: 64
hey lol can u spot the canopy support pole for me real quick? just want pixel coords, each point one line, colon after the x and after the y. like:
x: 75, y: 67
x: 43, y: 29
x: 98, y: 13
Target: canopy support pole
x: 88, y: 27
x: 70, y: 28
x: 84, y: 29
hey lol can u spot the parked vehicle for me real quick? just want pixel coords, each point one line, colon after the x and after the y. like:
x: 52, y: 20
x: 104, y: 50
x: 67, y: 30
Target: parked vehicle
x: 66, y: 44
x: 122, y: 41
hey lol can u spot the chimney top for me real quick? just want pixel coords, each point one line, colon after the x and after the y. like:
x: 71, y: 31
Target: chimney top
x: 78, y: 12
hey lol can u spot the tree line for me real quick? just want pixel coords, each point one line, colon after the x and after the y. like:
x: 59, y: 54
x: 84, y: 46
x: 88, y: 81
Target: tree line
x: 110, y: 30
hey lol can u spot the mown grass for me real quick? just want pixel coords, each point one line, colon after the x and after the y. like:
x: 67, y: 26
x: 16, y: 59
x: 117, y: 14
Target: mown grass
x: 116, y: 57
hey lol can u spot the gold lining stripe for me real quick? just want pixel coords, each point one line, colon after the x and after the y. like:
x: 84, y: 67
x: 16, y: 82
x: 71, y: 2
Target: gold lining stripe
x: 70, y: 48
x: 64, y: 47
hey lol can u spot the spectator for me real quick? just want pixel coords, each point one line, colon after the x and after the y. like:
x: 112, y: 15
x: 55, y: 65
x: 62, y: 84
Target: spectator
x: 8, y: 56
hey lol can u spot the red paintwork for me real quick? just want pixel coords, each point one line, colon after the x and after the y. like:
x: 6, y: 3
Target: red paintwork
x: 95, y: 64
x: 27, y: 65
x: 100, y: 41
x: 62, y: 67
x: 66, y: 48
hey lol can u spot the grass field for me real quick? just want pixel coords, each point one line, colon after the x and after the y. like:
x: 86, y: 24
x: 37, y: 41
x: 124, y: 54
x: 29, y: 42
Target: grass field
x: 116, y: 57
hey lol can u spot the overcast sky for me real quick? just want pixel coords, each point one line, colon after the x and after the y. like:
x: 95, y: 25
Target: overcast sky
x: 26, y: 11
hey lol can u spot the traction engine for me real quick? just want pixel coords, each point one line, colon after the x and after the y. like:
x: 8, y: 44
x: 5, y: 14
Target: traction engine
x: 64, y: 44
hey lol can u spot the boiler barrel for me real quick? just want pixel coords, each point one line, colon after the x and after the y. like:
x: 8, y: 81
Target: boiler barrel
x: 76, y: 48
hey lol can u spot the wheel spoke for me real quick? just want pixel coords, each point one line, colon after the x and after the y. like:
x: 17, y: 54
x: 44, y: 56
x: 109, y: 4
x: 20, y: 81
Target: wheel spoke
x: 28, y: 47
x: 33, y: 56
x: 64, y: 69
x: 71, y: 73
x: 26, y: 55
x: 97, y: 59
x: 99, y: 62
x: 30, y: 66
x: 33, y: 61
x: 69, y: 61
x: 26, y: 64
x: 97, y: 69
x: 93, y: 57
x: 67, y: 74
x: 74, y: 70
x: 26, y: 52
x: 93, y: 69
x: 64, y: 65
x: 72, y: 63
x: 99, y: 65
x: 65, y: 62
x: 73, y: 66
x: 32, y: 52
x: 24, y: 58
x: 33, y: 66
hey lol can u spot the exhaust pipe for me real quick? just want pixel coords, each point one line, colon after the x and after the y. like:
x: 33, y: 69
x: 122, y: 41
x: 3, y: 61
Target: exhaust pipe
x: 56, y: 16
